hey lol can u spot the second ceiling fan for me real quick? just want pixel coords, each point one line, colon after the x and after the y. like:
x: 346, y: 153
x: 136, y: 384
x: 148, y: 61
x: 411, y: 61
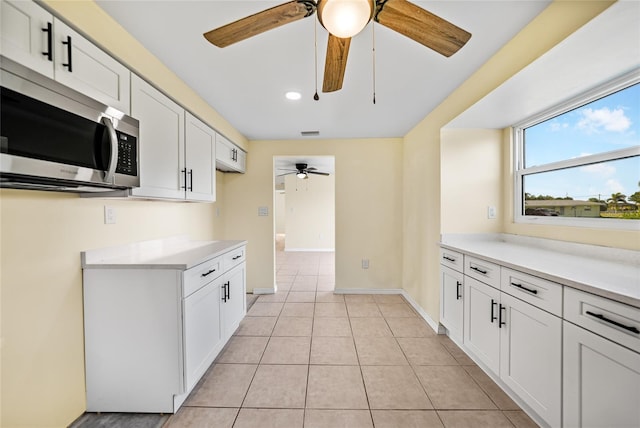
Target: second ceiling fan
x: 344, y: 19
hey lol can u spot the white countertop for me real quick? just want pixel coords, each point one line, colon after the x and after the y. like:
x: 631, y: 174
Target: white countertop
x: 172, y: 253
x: 608, y: 272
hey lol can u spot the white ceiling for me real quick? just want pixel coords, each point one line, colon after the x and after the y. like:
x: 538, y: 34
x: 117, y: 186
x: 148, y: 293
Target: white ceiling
x: 246, y: 82
x: 606, y: 47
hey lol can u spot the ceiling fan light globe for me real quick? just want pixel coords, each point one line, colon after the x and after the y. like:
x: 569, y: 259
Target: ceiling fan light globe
x: 301, y: 175
x: 345, y: 18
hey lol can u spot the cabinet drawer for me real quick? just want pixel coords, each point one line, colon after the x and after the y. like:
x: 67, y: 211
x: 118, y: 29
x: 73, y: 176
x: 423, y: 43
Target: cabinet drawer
x: 200, y: 275
x: 615, y: 321
x: 452, y: 259
x: 234, y: 258
x: 484, y: 271
x: 539, y: 292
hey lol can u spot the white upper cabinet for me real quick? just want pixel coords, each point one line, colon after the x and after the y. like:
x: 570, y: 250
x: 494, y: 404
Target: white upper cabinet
x: 162, y: 161
x: 34, y: 38
x: 229, y: 157
x: 80, y: 65
x: 27, y: 35
x: 177, y: 150
x: 200, y: 160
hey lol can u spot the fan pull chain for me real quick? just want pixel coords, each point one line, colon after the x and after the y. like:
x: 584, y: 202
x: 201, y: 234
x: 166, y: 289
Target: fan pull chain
x: 373, y: 37
x: 315, y: 49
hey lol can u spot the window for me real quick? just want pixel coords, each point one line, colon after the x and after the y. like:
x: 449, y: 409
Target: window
x: 579, y: 164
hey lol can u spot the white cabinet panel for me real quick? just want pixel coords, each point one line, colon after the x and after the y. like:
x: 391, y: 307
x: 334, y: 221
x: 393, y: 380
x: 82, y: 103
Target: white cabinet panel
x: 481, y: 333
x: 81, y: 65
x: 531, y: 358
x: 228, y: 156
x: 452, y: 259
x: 22, y: 37
x: 200, y: 160
x: 601, y: 382
x: 34, y: 38
x: 161, y: 142
x: 202, y: 332
x: 234, y: 301
x: 452, y: 301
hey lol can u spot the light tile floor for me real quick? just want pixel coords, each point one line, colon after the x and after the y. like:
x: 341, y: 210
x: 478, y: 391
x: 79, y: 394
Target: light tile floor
x: 306, y: 357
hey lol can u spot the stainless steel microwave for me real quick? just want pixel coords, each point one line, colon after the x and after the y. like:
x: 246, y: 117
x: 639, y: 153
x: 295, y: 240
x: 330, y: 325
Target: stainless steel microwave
x: 54, y: 138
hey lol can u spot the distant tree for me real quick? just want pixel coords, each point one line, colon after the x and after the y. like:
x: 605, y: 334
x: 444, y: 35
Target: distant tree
x: 615, y: 199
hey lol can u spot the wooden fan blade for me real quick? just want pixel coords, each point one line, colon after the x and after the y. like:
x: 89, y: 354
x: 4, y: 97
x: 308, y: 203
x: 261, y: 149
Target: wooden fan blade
x: 260, y: 22
x: 287, y: 173
x: 422, y: 26
x: 336, y: 63
x: 318, y: 173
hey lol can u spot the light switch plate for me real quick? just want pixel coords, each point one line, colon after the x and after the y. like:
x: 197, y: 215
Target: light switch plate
x: 263, y: 211
x: 491, y: 212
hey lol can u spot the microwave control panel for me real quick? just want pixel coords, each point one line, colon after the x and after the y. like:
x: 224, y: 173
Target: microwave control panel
x: 127, y: 154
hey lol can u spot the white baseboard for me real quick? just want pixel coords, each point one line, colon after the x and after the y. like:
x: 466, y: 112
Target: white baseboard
x: 264, y: 291
x: 435, y: 326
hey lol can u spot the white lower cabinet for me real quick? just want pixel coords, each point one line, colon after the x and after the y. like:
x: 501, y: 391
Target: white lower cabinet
x: 202, y: 330
x: 452, y: 301
x: 601, y: 367
x: 531, y: 356
x: 601, y: 382
x: 152, y: 332
x: 234, y: 303
x: 519, y: 342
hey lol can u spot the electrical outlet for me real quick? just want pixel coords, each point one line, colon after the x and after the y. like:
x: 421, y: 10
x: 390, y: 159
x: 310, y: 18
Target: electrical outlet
x: 365, y: 263
x: 109, y: 215
x: 491, y: 212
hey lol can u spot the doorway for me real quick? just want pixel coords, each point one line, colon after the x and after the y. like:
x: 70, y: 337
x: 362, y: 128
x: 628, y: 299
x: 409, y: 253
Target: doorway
x: 304, y: 225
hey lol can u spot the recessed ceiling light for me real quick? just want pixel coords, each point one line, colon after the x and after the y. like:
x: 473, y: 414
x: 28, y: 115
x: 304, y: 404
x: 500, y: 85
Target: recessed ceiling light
x: 293, y: 95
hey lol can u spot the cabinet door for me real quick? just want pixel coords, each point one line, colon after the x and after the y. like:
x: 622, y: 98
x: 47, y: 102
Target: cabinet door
x: 234, y: 303
x: 202, y: 333
x: 241, y: 160
x: 27, y: 35
x: 481, y: 332
x: 452, y: 301
x: 162, y: 170
x: 531, y: 356
x: 81, y: 65
x: 601, y: 381
x: 200, y: 157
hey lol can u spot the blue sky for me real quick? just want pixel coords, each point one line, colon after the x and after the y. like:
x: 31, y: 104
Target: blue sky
x: 611, y: 123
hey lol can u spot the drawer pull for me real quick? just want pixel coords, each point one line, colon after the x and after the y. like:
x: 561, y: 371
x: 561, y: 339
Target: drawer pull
x: 493, y: 304
x: 477, y: 269
x: 522, y: 287
x: 208, y: 273
x: 224, y: 293
x: 237, y: 257
x: 458, y: 295
x: 617, y: 324
x: 449, y: 259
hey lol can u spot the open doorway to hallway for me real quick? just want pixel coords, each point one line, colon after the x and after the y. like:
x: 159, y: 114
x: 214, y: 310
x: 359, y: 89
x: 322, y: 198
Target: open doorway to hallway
x: 304, y: 216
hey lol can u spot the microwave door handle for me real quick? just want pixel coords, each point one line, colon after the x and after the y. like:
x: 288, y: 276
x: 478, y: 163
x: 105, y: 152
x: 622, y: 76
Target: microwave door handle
x: 109, y: 175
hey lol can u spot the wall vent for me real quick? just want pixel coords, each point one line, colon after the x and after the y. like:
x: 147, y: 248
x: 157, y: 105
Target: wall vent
x: 310, y: 133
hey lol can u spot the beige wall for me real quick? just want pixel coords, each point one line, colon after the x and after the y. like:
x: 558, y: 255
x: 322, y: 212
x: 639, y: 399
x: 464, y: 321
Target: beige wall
x: 368, y: 209
x: 471, y: 180
x: 42, y: 234
x: 423, y: 157
x: 42, y: 335
x: 310, y: 213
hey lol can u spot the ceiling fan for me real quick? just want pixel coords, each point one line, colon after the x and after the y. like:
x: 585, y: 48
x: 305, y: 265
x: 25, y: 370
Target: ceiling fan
x: 344, y: 19
x: 302, y: 171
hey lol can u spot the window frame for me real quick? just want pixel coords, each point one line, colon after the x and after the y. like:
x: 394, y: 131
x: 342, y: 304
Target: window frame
x: 520, y: 171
